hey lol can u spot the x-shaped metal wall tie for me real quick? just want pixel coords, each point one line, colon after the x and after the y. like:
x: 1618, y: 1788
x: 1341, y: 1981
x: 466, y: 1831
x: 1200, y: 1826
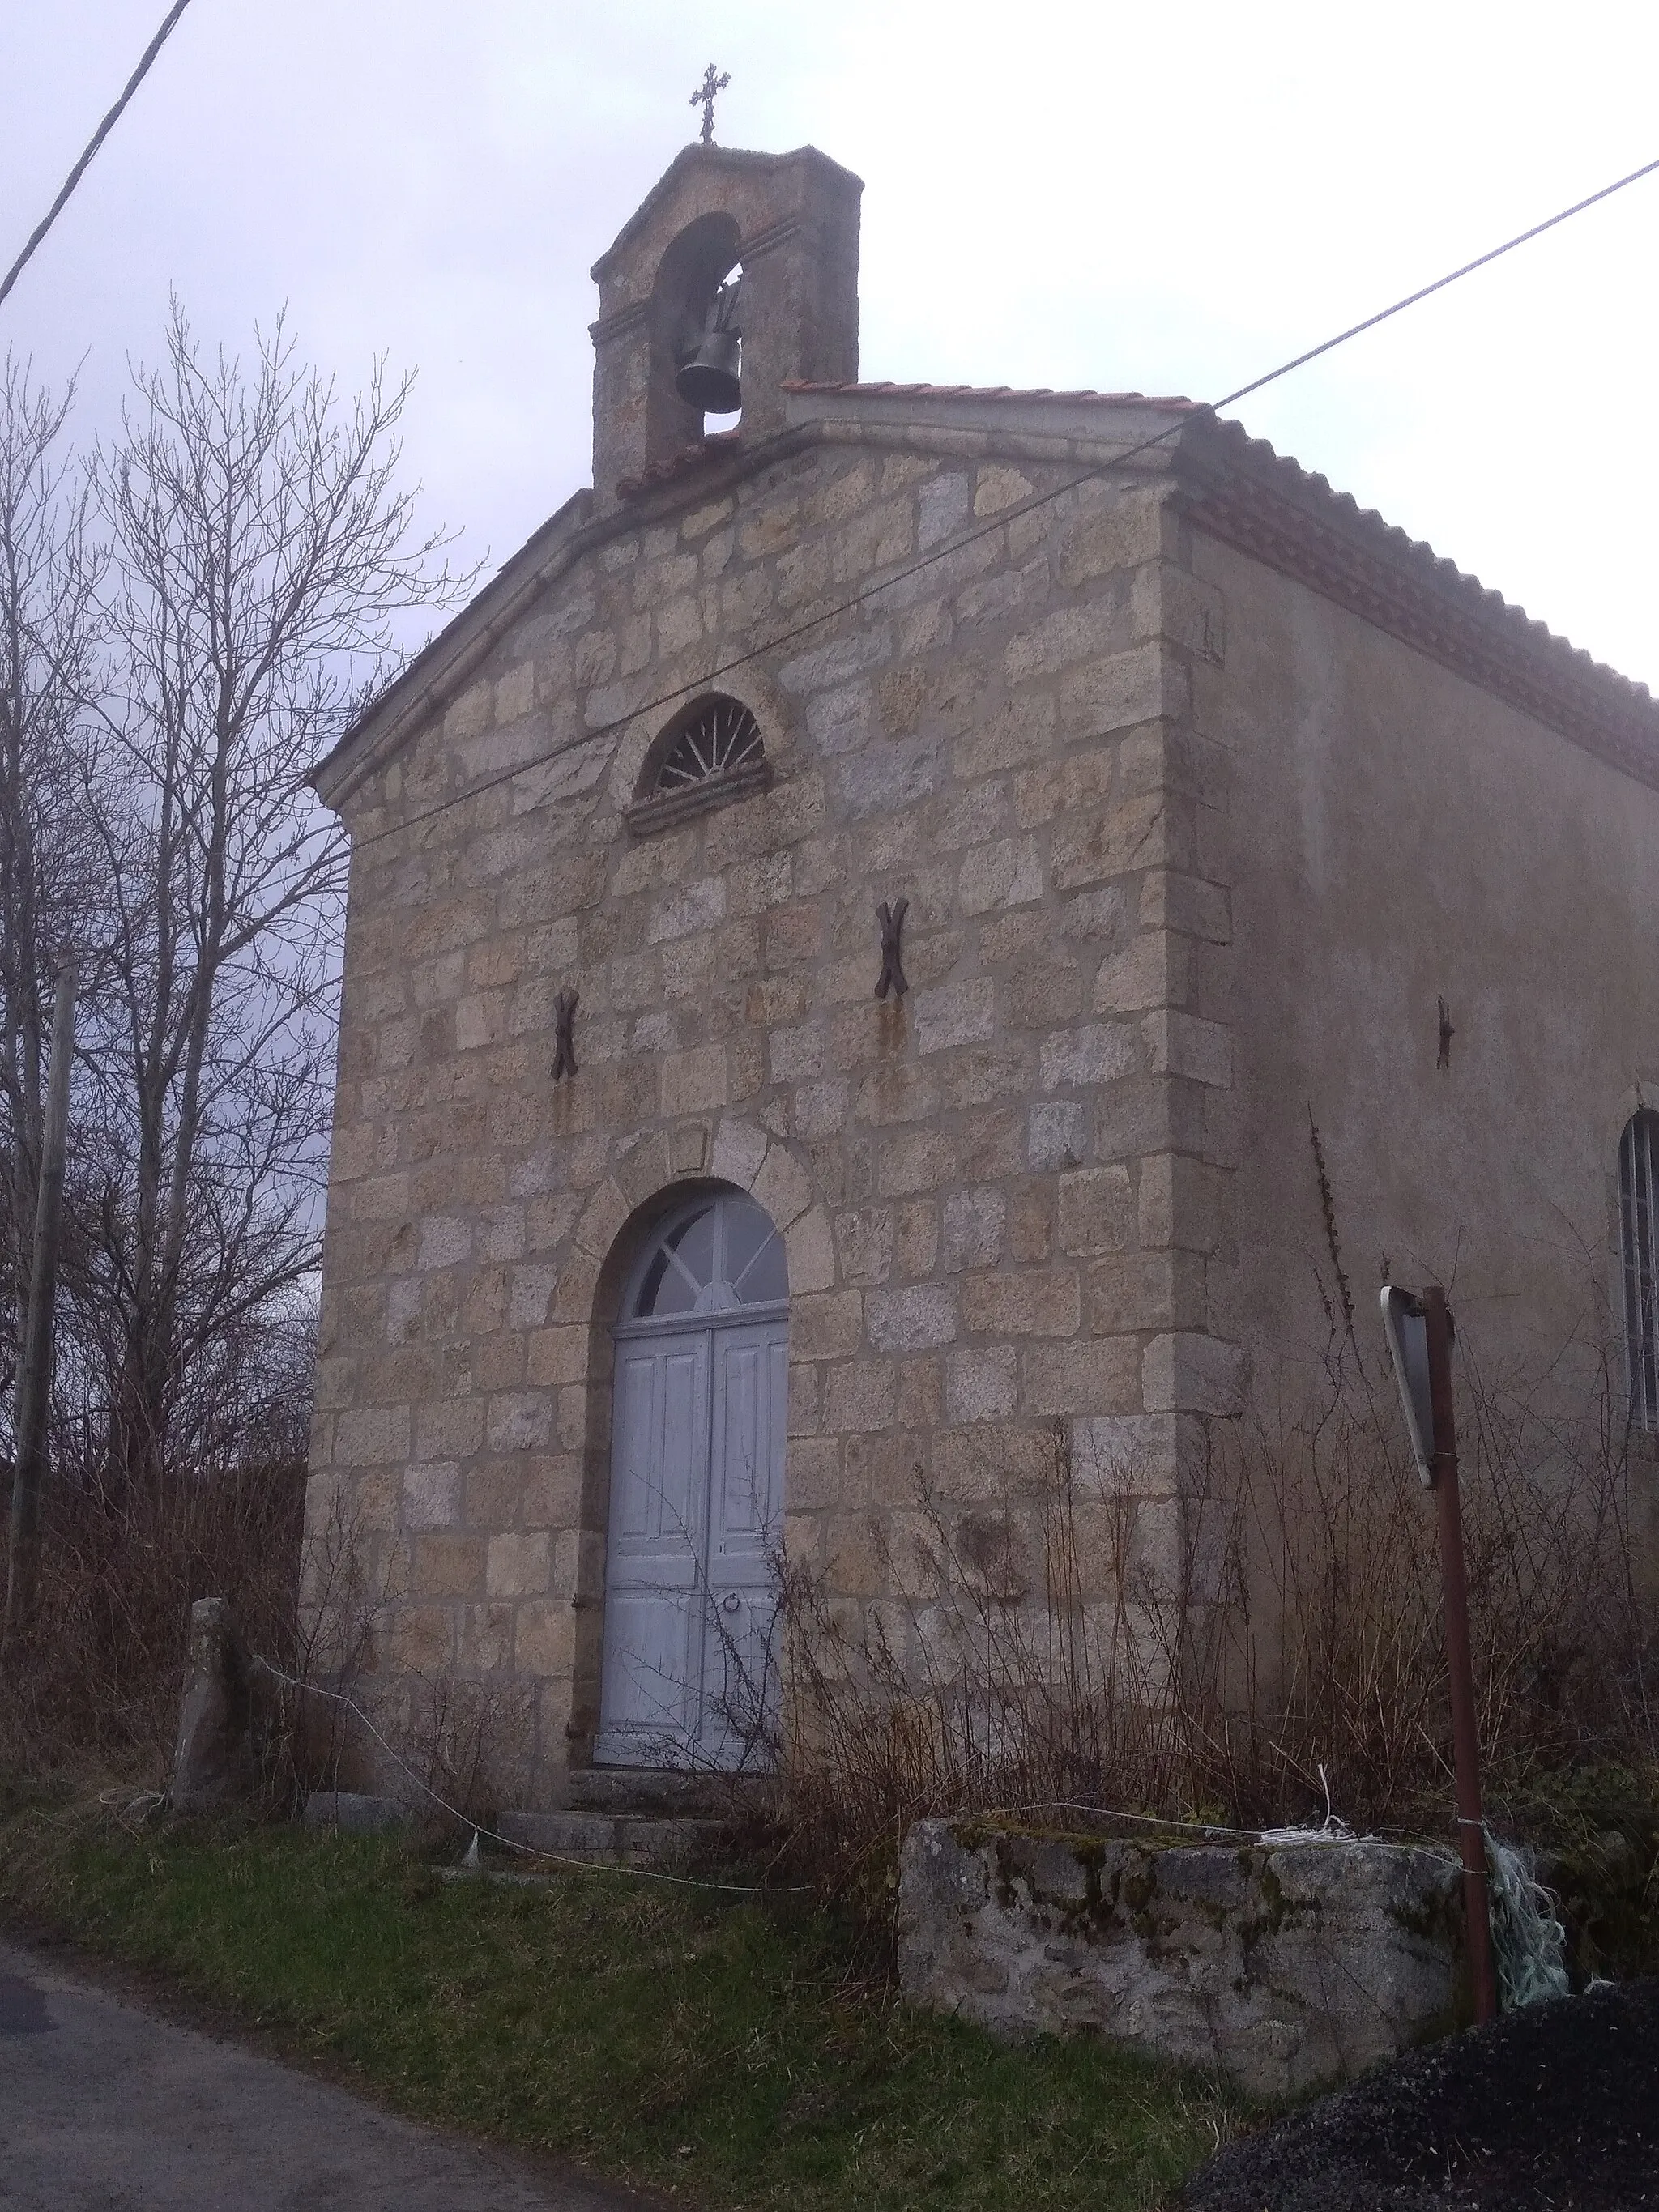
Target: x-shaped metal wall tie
x: 892, y: 971
x: 564, y: 1051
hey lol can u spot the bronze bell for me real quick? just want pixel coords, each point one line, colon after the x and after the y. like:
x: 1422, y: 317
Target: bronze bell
x: 708, y: 379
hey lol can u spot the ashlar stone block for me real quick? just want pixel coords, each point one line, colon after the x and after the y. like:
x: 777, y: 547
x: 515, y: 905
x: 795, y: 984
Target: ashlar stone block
x: 1189, y: 1372
x: 1005, y: 874
x: 1093, y: 1053
x: 782, y: 1186
x: 810, y: 1248
x: 974, y: 1227
x: 519, y: 1565
x: 917, y: 1318
x: 432, y: 1496
x: 738, y: 1150
x: 1057, y: 1134
x: 955, y: 1014
x: 1027, y: 1301
x: 1097, y: 1209
x: 981, y: 1384
x: 1181, y: 1044
x: 1101, y: 1376
x: 864, y: 1239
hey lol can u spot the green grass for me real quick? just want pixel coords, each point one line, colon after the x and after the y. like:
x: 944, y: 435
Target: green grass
x: 712, y: 2045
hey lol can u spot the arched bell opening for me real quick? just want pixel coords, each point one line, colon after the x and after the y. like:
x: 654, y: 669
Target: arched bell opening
x: 695, y: 1491
x: 695, y: 342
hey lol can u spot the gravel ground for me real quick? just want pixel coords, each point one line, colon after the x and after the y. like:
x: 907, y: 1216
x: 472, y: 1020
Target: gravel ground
x: 1557, y: 2106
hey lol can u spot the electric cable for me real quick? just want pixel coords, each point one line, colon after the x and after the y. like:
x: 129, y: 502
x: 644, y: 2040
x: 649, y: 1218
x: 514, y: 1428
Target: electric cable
x: 96, y: 140
x: 508, y: 1843
x: 1000, y: 521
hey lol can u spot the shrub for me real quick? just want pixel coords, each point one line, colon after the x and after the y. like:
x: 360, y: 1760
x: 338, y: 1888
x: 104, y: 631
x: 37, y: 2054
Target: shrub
x: 1281, y: 1657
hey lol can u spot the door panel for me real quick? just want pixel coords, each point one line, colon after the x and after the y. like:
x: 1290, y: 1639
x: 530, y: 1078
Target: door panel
x: 750, y: 1414
x: 651, y: 1688
x: 696, y: 1521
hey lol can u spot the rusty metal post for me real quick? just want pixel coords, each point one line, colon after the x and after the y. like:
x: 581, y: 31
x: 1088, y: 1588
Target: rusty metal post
x: 1466, y: 1747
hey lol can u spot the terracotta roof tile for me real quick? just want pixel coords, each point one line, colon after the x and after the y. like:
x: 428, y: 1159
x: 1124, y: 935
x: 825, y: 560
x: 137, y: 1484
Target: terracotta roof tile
x: 1288, y: 476
x: 983, y: 391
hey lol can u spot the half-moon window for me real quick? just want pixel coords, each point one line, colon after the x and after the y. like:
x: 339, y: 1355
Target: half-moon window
x: 719, y: 1254
x: 722, y: 735
x: 711, y: 752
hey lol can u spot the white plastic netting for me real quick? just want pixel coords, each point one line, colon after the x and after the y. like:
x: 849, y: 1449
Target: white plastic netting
x: 1527, y: 1940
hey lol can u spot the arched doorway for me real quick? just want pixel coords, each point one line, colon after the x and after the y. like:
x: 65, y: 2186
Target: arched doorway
x: 696, y: 1491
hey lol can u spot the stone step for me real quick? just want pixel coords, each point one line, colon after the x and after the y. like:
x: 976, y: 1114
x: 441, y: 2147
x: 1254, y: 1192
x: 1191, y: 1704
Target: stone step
x: 665, y: 1843
x: 353, y: 1812
x: 662, y: 1792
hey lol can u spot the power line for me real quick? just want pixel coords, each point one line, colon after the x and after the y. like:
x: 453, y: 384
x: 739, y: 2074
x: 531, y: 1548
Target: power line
x: 1000, y: 520
x: 1440, y: 283
x: 97, y: 139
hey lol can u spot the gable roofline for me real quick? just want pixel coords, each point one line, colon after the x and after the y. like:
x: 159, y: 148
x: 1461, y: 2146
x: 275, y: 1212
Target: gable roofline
x: 435, y: 675
x: 442, y: 669
x: 990, y: 392
x: 1267, y: 505
x: 696, y: 155
x: 1234, y: 486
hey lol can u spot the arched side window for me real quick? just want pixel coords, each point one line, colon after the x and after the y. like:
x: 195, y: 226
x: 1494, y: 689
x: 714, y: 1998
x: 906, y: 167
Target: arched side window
x: 712, y: 751
x: 1638, y: 1227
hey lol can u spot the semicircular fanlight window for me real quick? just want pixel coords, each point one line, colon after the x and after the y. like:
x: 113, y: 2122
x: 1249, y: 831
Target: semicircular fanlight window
x: 722, y: 1254
x: 722, y: 735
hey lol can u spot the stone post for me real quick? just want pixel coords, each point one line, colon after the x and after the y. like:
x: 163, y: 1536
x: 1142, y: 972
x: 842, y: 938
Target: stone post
x: 209, y: 1767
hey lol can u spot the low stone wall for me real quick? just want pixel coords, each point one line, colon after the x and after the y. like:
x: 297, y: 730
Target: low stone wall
x: 1286, y: 1967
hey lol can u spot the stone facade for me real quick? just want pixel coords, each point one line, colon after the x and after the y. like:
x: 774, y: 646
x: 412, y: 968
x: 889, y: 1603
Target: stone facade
x: 1010, y: 1199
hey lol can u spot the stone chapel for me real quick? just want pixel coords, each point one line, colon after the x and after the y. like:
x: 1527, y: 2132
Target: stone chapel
x: 912, y: 921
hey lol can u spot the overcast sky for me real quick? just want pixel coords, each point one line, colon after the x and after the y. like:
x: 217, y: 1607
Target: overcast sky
x: 1169, y: 200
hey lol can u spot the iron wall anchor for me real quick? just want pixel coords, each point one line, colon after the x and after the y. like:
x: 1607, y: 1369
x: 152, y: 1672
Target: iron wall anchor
x: 892, y: 977
x: 564, y: 1051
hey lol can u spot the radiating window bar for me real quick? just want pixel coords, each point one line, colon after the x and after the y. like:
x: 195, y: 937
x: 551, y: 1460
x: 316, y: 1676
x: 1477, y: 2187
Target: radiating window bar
x: 724, y: 735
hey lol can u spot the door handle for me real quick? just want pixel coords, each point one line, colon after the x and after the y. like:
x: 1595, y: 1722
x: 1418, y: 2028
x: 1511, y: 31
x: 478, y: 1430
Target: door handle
x: 730, y: 1602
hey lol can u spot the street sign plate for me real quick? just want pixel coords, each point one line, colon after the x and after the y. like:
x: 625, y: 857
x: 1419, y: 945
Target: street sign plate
x: 1408, y: 1347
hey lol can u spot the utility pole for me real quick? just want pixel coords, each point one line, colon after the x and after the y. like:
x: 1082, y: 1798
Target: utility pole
x: 35, y: 1361
x: 1419, y: 1334
x: 1466, y: 1752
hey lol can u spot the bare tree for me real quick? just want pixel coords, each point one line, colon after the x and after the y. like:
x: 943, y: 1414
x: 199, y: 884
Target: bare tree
x: 262, y: 554
x: 51, y: 569
x: 184, y: 627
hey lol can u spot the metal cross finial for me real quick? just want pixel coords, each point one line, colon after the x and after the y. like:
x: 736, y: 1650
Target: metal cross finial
x: 703, y: 97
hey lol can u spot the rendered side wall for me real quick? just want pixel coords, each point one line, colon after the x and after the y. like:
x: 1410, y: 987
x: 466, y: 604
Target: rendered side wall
x: 1395, y: 837
x: 985, y: 1192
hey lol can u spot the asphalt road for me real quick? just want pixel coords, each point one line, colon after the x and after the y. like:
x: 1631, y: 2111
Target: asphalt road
x: 106, y: 2107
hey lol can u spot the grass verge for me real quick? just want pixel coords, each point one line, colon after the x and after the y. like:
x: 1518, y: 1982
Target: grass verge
x: 713, y: 2046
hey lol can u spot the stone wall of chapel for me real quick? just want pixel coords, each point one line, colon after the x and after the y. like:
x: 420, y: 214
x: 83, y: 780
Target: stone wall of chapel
x: 1003, y: 1201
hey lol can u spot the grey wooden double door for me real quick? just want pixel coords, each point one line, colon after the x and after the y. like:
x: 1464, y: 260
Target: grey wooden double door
x: 696, y: 1495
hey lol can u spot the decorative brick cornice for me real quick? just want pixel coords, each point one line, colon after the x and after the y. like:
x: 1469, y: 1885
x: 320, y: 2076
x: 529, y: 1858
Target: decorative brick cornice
x: 1240, y: 490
